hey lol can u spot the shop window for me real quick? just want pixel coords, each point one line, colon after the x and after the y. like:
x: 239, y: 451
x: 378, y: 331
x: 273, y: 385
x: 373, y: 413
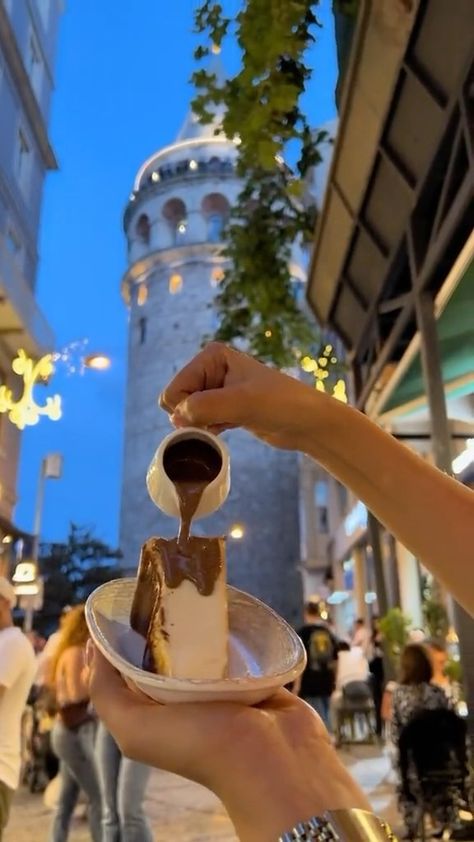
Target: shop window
x: 23, y: 160
x: 343, y: 497
x: 35, y: 65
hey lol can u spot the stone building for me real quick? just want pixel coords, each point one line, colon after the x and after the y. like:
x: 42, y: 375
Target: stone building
x: 181, y: 199
x: 28, y: 34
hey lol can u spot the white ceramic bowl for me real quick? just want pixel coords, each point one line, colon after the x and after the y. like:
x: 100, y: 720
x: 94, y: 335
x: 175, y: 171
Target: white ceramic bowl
x: 264, y: 651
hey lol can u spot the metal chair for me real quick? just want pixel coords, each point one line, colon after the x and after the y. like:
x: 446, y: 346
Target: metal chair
x: 356, y: 708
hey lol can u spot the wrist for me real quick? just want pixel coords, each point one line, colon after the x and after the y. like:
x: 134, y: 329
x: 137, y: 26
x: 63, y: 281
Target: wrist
x: 274, y: 790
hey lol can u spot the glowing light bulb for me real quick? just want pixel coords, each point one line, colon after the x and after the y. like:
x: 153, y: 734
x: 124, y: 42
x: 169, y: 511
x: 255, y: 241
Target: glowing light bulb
x: 193, y: 165
x: 268, y: 334
x: 237, y: 531
x: 99, y: 362
x: 155, y: 176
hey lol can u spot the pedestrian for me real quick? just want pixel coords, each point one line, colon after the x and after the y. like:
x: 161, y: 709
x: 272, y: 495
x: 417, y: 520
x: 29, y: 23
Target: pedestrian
x: 17, y: 672
x: 361, y: 637
x: 73, y: 734
x: 439, y: 661
x: 317, y: 682
x: 414, y: 694
x: 351, y: 666
x: 378, y: 672
x: 273, y: 766
x: 123, y: 785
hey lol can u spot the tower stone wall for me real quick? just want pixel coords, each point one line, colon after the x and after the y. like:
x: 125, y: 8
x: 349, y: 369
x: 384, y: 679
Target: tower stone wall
x: 172, y: 222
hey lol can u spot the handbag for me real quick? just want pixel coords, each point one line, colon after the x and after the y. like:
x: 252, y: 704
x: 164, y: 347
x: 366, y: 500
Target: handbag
x: 75, y: 714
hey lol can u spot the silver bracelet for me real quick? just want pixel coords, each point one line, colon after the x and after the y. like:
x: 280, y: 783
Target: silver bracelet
x: 341, y: 826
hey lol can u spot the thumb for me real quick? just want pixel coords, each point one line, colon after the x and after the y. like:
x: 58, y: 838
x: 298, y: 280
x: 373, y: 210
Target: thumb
x: 211, y: 408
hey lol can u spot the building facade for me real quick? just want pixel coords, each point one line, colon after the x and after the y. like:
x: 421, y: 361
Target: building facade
x: 173, y: 222
x: 28, y: 35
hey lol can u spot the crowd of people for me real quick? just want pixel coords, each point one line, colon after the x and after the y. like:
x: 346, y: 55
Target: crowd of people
x: 77, y: 750
x: 274, y: 765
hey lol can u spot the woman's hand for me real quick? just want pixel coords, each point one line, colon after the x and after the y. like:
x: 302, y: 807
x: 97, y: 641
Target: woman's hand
x: 222, y: 388
x: 271, y: 765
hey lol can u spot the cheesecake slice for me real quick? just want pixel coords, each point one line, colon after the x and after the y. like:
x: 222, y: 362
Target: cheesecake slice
x: 180, y: 607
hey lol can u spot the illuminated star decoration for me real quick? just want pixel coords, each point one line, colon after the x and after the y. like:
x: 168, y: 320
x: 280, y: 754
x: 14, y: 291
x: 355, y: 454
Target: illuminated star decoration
x: 25, y: 411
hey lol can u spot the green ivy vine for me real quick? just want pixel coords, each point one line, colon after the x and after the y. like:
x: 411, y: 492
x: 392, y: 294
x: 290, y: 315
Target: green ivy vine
x: 261, y: 106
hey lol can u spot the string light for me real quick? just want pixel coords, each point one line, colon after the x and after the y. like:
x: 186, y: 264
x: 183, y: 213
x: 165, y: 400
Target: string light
x: 193, y: 165
x: 155, y: 176
x: 268, y: 334
x: 308, y: 364
x: 182, y: 227
x: 24, y: 411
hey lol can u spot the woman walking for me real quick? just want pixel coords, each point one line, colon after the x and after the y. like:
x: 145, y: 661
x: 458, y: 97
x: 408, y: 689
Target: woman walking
x: 123, y: 784
x: 74, y: 730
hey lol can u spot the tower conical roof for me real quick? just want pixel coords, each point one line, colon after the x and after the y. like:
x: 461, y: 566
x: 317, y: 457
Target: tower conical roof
x: 191, y: 127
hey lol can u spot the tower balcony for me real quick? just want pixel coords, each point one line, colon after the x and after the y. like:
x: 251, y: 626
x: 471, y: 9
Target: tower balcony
x: 185, y: 170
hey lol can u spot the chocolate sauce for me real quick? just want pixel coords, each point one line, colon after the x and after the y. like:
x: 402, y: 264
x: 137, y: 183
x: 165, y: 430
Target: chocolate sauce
x: 191, y: 465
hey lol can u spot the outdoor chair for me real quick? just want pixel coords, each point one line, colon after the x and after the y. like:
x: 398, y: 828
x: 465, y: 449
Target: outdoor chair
x: 356, y: 713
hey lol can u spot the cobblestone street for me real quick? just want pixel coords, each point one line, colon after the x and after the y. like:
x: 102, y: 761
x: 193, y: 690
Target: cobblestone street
x: 183, y: 811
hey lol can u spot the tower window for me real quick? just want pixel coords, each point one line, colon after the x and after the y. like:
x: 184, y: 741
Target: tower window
x: 175, y: 213
x: 143, y: 229
x: 217, y: 276
x: 142, y: 295
x: 142, y: 330
x: 215, y: 225
x: 216, y: 209
x: 175, y: 283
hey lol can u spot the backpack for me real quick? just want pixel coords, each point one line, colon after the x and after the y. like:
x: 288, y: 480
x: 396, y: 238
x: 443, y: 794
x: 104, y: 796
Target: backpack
x: 320, y: 649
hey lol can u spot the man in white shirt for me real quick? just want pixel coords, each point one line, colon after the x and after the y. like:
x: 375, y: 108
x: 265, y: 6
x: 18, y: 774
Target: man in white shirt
x: 17, y: 673
x: 352, y: 665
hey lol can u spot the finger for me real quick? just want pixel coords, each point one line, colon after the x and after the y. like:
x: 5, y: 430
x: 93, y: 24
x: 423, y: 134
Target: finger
x: 221, y: 408
x: 158, y: 735
x: 207, y: 370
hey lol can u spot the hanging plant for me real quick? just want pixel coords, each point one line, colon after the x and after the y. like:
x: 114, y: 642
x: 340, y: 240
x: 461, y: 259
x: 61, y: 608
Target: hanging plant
x: 257, y: 301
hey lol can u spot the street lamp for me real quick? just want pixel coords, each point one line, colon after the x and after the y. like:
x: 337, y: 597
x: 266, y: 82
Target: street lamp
x: 98, y: 362
x: 237, y: 531
x: 25, y: 577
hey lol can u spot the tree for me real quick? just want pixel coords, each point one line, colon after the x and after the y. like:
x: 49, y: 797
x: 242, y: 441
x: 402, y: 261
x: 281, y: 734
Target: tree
x: 72, y: 570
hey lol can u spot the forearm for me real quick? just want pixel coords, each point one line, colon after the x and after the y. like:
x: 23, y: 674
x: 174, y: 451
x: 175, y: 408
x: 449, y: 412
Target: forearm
x: 429, y: 512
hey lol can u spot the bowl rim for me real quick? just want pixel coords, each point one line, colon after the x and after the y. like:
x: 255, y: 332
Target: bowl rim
x: 137, y: 674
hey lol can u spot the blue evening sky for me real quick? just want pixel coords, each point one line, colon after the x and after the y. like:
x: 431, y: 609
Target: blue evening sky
x: 122, y: 91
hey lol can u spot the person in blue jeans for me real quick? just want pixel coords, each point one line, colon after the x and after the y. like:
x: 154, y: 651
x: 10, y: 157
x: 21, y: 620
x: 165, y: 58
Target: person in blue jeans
x: 123, y: 784
x: 318, y: 679
x: 73, y: 734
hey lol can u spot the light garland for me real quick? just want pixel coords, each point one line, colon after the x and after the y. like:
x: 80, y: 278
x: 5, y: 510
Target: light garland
x: 26, y: 411
x: 320, y: 368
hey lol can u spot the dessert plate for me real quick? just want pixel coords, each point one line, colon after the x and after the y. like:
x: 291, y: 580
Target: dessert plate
x: 264, y: 651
